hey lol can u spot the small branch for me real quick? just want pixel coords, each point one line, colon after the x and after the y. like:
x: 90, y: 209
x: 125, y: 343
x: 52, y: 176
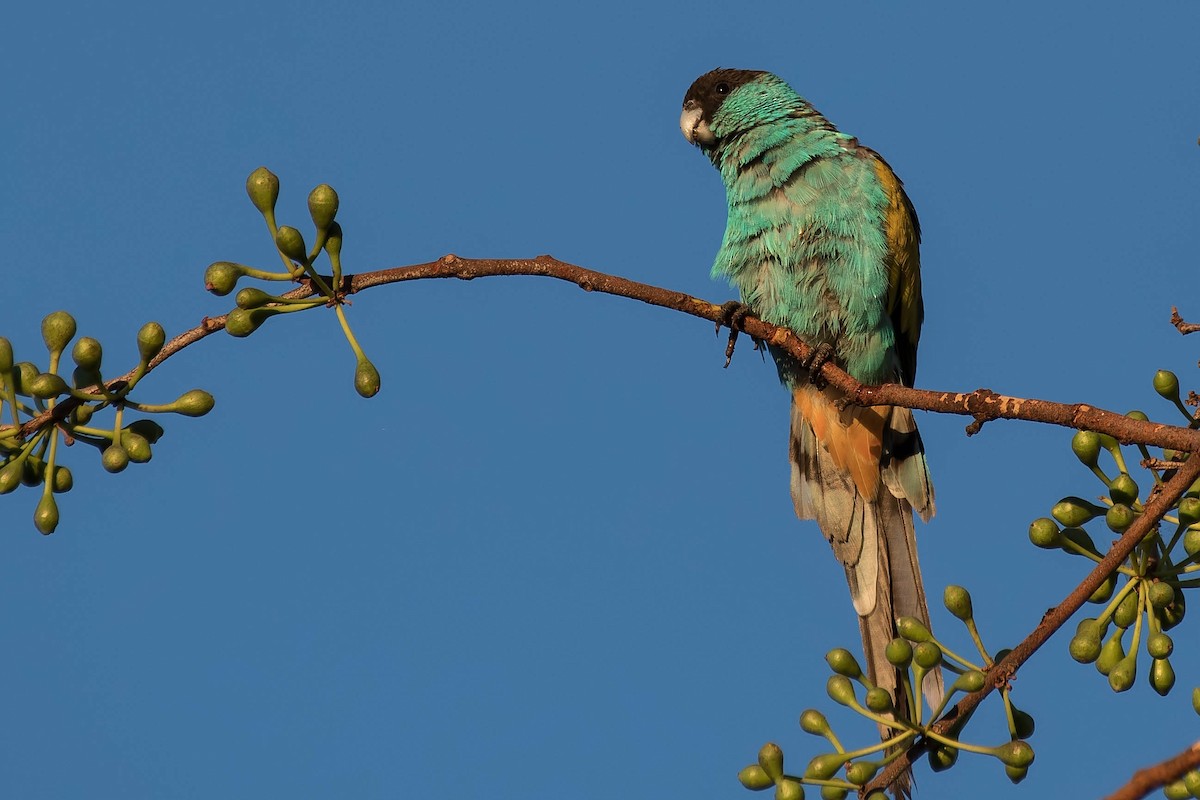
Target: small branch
x: 1146, y: 780
x: 1184, y: 327
x: 1161, y: 500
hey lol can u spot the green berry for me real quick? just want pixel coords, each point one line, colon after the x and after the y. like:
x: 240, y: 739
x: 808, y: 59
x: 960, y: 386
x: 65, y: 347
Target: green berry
x: 970, y: 681
x: 1140, y: 416
x: 1111, y: 653
x: 1123, y: 674
x: 912, y: 629
x: 1162, y: 676
x: 1086, y: 446
x: 861, y: 772
x: 114, y: 458
x: 58, y: 329
x: 263, y: 188
x: 291, y: 243
x: 242, y: 322
x: 6, y: 355
x: 1196, y: 699
x: 10, y: 475
x: 843, y: 663
x: 755, y: 778
x: 45, y: 516
x: 1075, y: 511
x: 148, y: 429
x: 1023, y: 723
x: 1123, y: 489
x: 1127, y: 611
x: 87, y: 353
x: 899, y: 653
x: 47, y: 385
x: 1016, y: 774
x: 195, y: 403
x: 942, y: 757
x: 221, y: 277
x: 1189, y: 511
x: 1192, y: 782
x: 333, y: 242
x: 1080, y: 538
x: 1177, y: 790
x: 824, y: 766
x: 1085, y: 647
x: 1166, y: 384
x: 1161, y: 594
x: 878, y: 700
x: 927, y: 655
x: 251, y: 297
x: 150, y: 341
x: 833, y: 793
x: 1173, y: 613
x: 322, y: 206
x: 788, y: 789
x: 1119, y: 518
x: 1044, y: 533
x: 840, y: 690
x: 366, y: 378
x: 1015, y: 753
x: 136, y: 446
x: 814, y: 722
x: 770, y: 758
x: 958, y: 602
x: 1104, y: 591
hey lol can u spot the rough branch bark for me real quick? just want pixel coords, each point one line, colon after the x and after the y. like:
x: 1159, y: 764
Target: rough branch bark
x: 1146, y: 780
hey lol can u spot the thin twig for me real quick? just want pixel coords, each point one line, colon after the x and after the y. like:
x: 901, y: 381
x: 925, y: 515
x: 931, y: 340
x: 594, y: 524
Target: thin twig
x: 1184, y: 327
x: 1146, y: 780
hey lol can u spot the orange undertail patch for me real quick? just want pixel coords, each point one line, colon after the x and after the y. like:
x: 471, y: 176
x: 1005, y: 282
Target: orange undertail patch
x: 853, y: 437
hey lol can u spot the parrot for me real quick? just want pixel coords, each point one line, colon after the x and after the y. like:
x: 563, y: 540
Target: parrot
x: 822, y: 239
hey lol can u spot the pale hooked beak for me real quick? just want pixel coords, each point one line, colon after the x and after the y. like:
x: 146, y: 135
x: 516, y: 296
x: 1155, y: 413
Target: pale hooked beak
x: 694, y: 128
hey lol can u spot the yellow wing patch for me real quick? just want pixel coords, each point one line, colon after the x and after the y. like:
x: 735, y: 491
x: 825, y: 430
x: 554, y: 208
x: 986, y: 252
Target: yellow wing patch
x: 904, y: 303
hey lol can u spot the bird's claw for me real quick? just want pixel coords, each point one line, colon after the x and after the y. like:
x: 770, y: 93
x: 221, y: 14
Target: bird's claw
x: 733, y: 314
x: 819, y: 356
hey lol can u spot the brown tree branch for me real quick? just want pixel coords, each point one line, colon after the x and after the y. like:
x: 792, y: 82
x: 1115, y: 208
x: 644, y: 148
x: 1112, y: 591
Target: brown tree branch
x: 1160, y: 501
x: 1146, y: 780
x: 1184, y: 327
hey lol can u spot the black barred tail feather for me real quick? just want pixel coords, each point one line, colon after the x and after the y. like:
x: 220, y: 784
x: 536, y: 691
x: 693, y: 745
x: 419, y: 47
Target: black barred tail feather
x: 867, y: 518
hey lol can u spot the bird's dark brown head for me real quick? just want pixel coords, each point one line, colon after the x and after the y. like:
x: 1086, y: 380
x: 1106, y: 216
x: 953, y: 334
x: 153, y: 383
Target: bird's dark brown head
x: 705, y: 97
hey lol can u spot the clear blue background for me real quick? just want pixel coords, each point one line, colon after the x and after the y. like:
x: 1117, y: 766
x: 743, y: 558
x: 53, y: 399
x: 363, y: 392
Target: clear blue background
x: 556, y: 555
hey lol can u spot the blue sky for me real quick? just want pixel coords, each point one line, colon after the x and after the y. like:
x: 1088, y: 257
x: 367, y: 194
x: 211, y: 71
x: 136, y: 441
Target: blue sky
x: 556, y: 555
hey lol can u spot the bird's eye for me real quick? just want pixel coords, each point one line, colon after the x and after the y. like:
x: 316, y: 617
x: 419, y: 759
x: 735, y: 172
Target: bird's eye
x: 721, y: 88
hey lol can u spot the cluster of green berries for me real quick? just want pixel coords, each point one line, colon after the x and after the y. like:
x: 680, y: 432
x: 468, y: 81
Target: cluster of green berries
x: 1189, y: 784
x: 915, y: 653
x: 1150, y: 600
x: 28, y: 392
x: 254, y: 306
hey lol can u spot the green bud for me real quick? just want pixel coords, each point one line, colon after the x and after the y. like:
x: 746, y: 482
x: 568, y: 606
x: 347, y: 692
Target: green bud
x: 1104, y: 591
x: 1189, y: 510
x: 1177, y: 790
x: 1016, y: 774
x: 1086, y: 446
x: 788, y: 789
x: 958, y: 602
x: 1191, y: 541
x: 6, y: 355
x: 150, y: 341
x: 912, y: 629
x: 1196, y: 699
x: 824, y: 766
x: 842, y: 662
x: 1075, y: 511
x: 221, y: 277
x: 1111, y: 653
x: 291, y: 243
x: 1080, y: 537
x: 970, y: 681
x: 1122, y: 676
x: 242, y: 322
x: 878, y: 700
x: 1161, y: 594
x: 63, y: 480
x: 1015, y: 754
x: 833, y: 793
x: 1127, y: 611
x: 322, y: 206
x: 1140, y: 416
x: 10, y: 475
x: 58, y: 329
x: 87, y: 353
x: 366, y: 379
x: 1023, y: 723
x: 1123, y: 489
x: 878, y: 794
x: 755, y: 778
x: 1119, y: 518
x: 83, y: 378
x: 45, y: 516
x: 114, y: 458
x: 1166, y: 384
x: 942, y: 757
x: 251, y: 297
x: 927, y: 655
x: 1044, y: 533
x: 82, y: 414
x: 148, y: 429
x: 899, y: 653
x: 136, y: 446
x: 770, y: 758
x: 1162, y: 676
x: 1085, y: 647
x: 195, y: 403
x: 814, y: 722
x: 23, y: 374
x: 263, y: 188
x: 47, y: 385
x: 34, y: 471
x: 861, y: 772
x: 1173, y: 613
x: 840, y: 690
x: 333, y: 244
x: 1191, y: 782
